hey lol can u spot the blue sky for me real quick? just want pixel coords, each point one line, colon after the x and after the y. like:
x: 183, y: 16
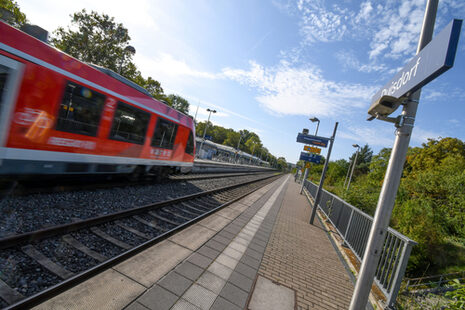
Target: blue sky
x: 267, y: 66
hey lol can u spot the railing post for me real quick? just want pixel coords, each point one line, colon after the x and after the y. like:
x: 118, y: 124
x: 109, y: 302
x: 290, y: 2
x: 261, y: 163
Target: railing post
x: 397, y: 280
x: 348, y: 223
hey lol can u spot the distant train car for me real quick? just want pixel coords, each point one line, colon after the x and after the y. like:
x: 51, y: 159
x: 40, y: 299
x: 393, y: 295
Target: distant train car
x: 218, y: 152
x: 59, y: 115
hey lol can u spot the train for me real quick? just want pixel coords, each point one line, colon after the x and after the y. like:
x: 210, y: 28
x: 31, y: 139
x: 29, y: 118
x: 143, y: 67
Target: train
x: 59, y: 115
x: 210, y: 150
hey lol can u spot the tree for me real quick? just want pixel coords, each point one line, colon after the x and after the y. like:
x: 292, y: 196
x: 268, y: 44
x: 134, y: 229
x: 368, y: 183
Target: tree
x: 178, y: 103
x: 98, y: 40
x: 11, y: 13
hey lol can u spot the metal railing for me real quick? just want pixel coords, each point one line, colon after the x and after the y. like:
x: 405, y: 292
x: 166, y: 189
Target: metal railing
x: 354, y: 227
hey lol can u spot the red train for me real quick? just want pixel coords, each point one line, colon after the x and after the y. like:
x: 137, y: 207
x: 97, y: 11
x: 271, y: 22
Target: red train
x: 59, y: 115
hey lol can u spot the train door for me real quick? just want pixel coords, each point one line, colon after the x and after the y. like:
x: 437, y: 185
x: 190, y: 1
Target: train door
x: 10, y: 74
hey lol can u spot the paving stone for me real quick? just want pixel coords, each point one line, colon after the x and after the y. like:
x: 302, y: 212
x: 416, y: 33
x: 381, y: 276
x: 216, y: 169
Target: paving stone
x: 253, y: 253
x: 208, y: 252
x: 200, y: 297
x: 175, y: 283
x: 183, y: 304
x: 220, y: 270
x: 158, y: 298
x: 245, y: 270
x: 215, y: 245
x: 227, y: 261
x: 221, y: 239
x: 241, y: 281
x: 136, y: 306
x: 233, y: 253
x: 212, y: 282
x: 234, y: 294
x: 200, y: 260
x: 189, y: 270
x: 256, y: 247
x: 223, y: 304
x: 226, y: 234
x: 250, y: 261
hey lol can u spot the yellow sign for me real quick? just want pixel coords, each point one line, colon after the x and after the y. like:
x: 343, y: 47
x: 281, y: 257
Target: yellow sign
x: 312, y: 149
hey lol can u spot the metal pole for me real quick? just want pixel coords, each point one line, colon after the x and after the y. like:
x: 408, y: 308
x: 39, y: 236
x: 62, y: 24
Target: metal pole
x: 391, y: 181
x: 323, y: 175
x: 353, y: 168
x: 303, y: 180
x: 195, y: 117
x: 204, y: 133
x: 347, y: 175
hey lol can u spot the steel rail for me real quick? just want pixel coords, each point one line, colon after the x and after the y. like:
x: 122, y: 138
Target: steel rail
x: 11, y: 241
x: 54, y: 290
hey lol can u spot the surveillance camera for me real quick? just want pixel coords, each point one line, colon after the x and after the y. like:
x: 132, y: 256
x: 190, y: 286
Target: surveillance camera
x: 384, y: 106
x: 305, y: 131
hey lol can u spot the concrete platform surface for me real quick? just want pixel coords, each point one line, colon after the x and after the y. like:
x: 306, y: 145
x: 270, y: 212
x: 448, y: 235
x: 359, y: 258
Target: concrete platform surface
x: 258, y: 253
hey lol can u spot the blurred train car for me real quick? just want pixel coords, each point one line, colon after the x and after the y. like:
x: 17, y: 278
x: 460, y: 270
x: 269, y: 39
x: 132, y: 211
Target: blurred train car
x: 59, y: 116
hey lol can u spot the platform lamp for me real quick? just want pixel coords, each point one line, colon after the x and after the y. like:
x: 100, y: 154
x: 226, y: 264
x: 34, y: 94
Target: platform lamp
x: 313, y: 120
x: 353, y: 164
x: 206, y: 127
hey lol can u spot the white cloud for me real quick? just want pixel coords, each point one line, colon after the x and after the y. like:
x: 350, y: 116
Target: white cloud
x: 320, y: 24
x: 165, y: 65
x: 348, y: 60
x: 300, y: 90
x: 372, y: 135
x: 420, y: 135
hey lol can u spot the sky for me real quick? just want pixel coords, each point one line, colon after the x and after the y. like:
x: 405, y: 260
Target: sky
x: 269, y: 65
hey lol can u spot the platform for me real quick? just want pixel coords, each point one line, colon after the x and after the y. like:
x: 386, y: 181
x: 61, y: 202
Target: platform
x: 258, y: 253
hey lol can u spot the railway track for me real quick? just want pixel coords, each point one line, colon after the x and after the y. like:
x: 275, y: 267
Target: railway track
x: 39, y: 264
x: 24, y: 188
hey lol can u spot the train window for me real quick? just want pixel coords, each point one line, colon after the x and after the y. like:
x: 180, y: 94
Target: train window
x: 190, y: 144
x: 3, y: 77
x: 164, y: 135
x: 80, y: 110
x: 129, y: 124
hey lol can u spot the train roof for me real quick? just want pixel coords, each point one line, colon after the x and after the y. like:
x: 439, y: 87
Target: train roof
x: 23, y: 45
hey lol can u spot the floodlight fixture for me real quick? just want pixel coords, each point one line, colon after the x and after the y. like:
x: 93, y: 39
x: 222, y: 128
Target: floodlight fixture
x: 384, y: 106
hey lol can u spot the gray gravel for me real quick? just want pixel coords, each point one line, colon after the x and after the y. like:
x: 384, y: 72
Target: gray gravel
x: 33, y: 212
x: 122, y: 234
x: 63, y: 254
x: 96, y: 243
x: 20, y: 273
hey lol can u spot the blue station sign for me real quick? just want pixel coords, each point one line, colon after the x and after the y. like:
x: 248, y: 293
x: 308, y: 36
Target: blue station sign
x: 434, y: 59
x: 313, y: 158
x: 313, y: 140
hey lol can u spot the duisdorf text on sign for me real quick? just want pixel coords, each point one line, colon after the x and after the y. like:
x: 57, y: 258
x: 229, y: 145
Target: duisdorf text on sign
x: 434, y: 59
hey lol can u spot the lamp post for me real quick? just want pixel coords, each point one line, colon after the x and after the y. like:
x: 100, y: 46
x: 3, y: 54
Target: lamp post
x: 127, y: 49
x: 237, y: 153
x: 353, y: 164
x: 205, y: 131
x: 313, y: 120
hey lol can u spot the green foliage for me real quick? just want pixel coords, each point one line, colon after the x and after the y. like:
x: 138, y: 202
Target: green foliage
x: 457, y: 296
x: 11, y: 13
x: 430, y: 202
x: 178, y: 103
x: 98, y: 39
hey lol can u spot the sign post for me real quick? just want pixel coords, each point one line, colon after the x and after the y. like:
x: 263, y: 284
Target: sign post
x: 388, y: 192
x: 323, y: 175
